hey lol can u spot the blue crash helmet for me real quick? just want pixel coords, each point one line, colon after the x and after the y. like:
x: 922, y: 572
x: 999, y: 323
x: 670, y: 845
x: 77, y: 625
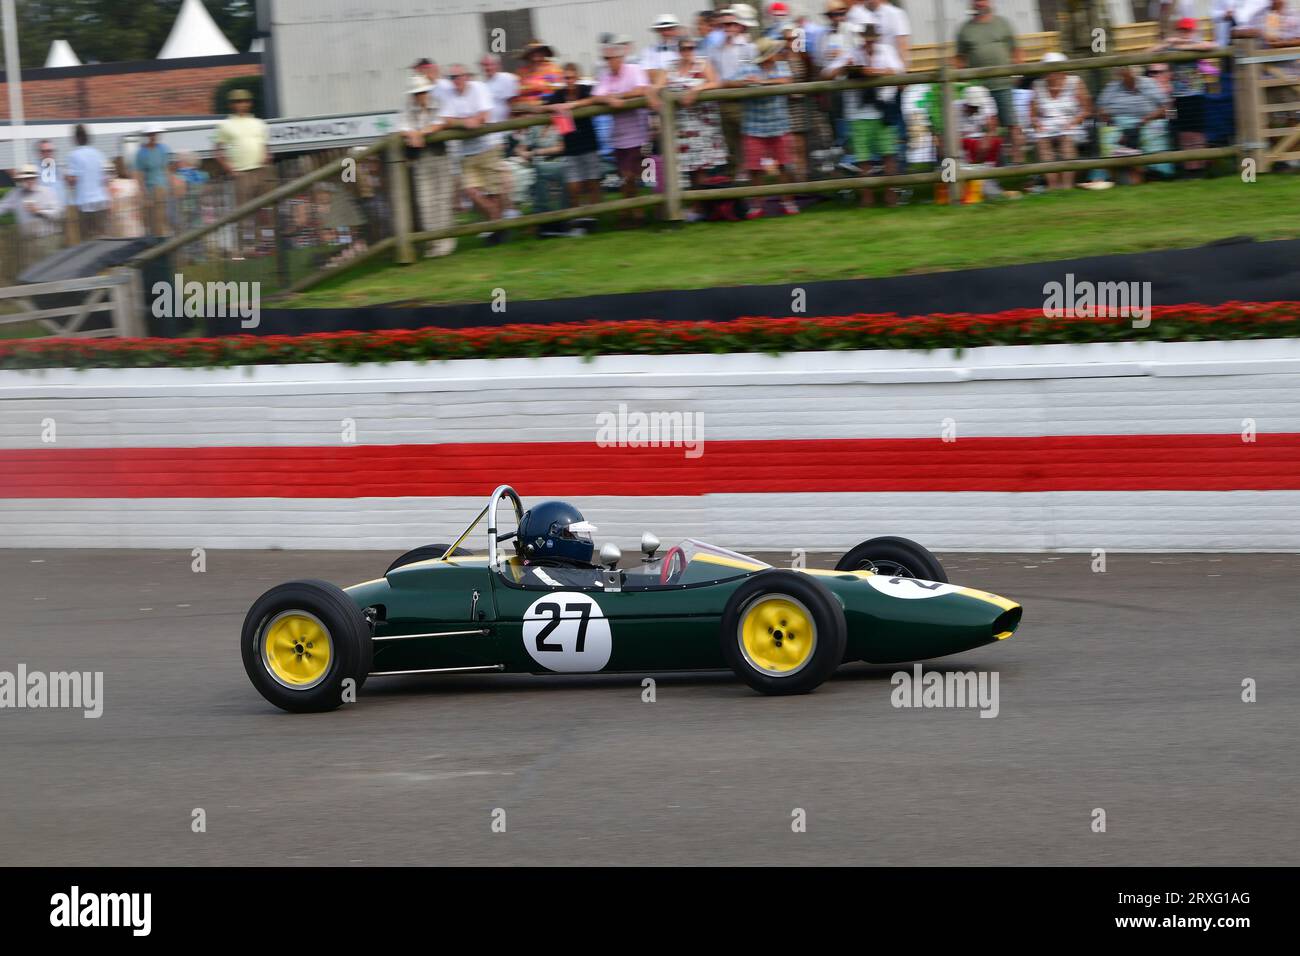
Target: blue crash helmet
x: 555, y: 530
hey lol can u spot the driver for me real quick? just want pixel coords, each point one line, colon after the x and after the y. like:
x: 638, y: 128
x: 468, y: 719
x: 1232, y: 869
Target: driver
x: 553, y: 534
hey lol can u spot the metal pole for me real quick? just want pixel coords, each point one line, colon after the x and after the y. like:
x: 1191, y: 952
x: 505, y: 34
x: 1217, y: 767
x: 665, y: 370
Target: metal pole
x: 14, y: 79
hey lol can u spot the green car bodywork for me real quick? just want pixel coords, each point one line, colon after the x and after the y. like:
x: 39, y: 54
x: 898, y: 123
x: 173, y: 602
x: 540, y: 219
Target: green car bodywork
x: 479, y: 618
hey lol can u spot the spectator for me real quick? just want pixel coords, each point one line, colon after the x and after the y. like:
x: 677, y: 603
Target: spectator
x: 431, y: 73
x: 37, y: 209
x: 700, y: 145
x: 1058, y: 110
x: 981, y: 143
x: 990, y: 40
x: 85, y: 174
x: 152, y: 160
x: 661, y: 55
x: 765, y: 122
x: 581, y: 148
x: 188, y: 203
x: 893, y: 27
x: 712, y: 34
x: 1275, y: 25
x: 1132, y: 109
x: 1187, y: 84
x: 1168, y: 12
x: 539, y: 75
x: 543, y: 149
x: 617, y: 81
x: 780, y: 19
x: 468, y: 105
x: 431, y: 169
x: 51, y: 172
x: 243, y: 152
x: 804, y: 116
x: 502, y: 86
x: 839, y: 36
x: 1233, y: 17
x: 813, y: 34
x: 126, y: 219
x: 731, y: 61
x: 873, y: 135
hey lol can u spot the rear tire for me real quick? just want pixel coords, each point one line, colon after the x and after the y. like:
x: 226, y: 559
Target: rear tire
x: 301, y: 641
x: 895, y: 557
x: 783, y: 633
x: 424, y: 553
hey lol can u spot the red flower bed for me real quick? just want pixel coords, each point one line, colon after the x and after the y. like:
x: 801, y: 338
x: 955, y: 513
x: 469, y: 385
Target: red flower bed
x: 1235, y: 320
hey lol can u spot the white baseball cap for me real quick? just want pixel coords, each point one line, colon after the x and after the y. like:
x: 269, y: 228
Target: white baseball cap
x: 664, y: 21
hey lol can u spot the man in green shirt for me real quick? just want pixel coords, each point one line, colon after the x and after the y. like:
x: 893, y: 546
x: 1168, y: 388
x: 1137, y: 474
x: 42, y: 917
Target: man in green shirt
x: 990, y: 40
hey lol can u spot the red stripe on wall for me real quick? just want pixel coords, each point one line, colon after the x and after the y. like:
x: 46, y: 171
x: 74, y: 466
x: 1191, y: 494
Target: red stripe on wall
x: 1074, y: 463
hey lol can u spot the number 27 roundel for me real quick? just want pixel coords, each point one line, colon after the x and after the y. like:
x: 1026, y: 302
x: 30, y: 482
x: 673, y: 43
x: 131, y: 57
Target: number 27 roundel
x: 566, y: 631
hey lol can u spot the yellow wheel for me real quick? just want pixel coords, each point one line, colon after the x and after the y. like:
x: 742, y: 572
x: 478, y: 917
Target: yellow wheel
x: 783, y: 632
x: 296, y: 649
x: 777, y: 635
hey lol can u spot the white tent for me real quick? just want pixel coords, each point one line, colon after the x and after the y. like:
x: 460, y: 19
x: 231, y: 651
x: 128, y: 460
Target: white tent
x: 257, y: 46
x: 195, y: 34
x: 61, y: 54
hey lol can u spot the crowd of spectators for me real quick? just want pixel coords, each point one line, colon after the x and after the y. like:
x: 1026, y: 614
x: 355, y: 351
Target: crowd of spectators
x: 63, y: 200
x: 576, y: 160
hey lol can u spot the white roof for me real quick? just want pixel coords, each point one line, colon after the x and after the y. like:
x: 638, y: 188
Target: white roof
x: 61, y: 54
x: 195, y: 34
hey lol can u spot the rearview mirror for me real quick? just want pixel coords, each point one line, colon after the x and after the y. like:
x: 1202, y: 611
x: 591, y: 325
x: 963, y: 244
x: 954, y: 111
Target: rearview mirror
x: 610, y: 555
x: 649, y: 545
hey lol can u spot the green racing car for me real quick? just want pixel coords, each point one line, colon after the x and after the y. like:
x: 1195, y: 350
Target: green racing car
x: 545, y: 606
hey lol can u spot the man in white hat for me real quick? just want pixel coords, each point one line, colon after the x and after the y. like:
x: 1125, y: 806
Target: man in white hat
x: 432, y: 175
x: 661, y: 56
x: 37, y: 208
x: 151, y: 172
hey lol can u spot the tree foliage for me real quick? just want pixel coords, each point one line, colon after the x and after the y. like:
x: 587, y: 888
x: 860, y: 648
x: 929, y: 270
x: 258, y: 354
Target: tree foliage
x: 111, y: 31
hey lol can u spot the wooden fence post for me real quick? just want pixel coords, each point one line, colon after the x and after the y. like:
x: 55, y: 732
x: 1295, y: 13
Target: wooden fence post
x: 669, y: 167
x: 399, y: 194
x: 951, y: 134
x: 1247, y: 100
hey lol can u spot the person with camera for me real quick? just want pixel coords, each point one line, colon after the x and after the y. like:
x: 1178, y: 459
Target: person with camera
x: 871, y: 133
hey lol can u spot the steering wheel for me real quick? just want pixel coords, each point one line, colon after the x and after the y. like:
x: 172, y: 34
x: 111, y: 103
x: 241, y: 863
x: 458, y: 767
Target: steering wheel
x: 674, y: 565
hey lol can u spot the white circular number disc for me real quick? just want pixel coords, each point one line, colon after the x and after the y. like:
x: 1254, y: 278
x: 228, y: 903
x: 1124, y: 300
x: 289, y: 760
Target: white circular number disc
x: 909, y: 588
x: 566, y: 631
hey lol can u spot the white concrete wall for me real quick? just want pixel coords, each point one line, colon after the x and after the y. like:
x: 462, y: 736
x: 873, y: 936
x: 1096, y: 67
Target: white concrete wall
x: 1072, y: 397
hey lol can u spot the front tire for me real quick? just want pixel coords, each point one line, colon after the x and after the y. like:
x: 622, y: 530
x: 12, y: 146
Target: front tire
x: 783, y: 632
x: 301, y: 641
x: 894, y: 557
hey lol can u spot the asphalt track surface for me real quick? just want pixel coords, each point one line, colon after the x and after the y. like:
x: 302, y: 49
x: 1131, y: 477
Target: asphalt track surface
x: 1121, y: 691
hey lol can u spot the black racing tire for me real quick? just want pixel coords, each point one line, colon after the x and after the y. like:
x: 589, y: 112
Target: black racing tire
x: 896, y: 557
x: 423, y: 553
x: 777, y: 590
x: 351, y: 651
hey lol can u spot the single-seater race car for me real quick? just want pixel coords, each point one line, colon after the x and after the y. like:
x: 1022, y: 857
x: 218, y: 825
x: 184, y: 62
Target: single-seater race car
x: 544, y: 606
